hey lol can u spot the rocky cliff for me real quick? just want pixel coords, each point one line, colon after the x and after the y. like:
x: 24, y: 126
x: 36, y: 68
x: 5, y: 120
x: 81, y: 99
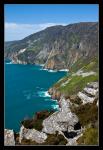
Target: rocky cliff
x: 74, y: 47
x: 57, y: 47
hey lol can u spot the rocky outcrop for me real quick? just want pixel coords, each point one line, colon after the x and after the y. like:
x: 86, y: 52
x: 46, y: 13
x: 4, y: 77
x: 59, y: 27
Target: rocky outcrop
x: 54, y: 93
x: 9, y: 138
x: 89, y: 93
x: 63, y: 120
x: 31, y: 134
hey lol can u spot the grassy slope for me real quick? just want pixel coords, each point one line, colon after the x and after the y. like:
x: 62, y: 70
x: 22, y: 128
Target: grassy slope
x: 88, y: 114
x: 77, y: 83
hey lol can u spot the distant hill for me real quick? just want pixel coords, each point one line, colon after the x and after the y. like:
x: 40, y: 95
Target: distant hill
x: 58, y: 47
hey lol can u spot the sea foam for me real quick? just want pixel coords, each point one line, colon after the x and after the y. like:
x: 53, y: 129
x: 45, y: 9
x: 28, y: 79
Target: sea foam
x: 43, y: 94
x: 9, y: 63
x: 55, y: 107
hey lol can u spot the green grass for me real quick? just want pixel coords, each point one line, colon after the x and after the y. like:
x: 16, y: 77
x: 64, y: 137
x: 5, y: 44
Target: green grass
x: 91, y: 66
x: 76, y: 84
x: 86, y: 64
x: 90, y: 137
x: 64, y: 79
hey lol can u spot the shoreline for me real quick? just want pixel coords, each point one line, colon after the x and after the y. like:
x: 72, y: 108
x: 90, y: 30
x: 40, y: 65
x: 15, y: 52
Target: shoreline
x: 49, y: 70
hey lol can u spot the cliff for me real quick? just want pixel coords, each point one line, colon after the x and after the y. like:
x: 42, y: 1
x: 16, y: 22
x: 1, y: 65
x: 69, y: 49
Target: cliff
x: 58, y: 47
x: 75, y: 47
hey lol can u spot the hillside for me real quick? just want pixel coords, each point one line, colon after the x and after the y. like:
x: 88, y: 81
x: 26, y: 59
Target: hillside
x: 80, y: 86
x: 58, y: 47
x: 73, y: 47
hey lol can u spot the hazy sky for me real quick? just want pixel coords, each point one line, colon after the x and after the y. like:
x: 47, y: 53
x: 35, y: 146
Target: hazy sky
x: 22, y: 20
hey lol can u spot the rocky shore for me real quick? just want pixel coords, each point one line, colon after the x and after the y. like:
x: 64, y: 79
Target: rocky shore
x: 63, y: 121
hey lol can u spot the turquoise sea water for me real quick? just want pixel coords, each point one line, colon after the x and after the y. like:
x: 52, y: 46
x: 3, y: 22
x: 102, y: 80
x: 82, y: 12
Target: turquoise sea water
x: 26, y: 92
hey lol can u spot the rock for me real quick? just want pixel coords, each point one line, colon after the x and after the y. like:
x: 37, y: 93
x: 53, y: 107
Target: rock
x: 72, y: 142
x: 91, y: 91
x: 93, y: 85
x: 84, y: 74
x: 61, y: 120
x: 54, y: 93
x: 85, y: 99
x: 50, y: 91
x: 9, y: 138
x: 21, y: 133
x: 97, y: 104
x: 32, y: 134
x: 70, y: 128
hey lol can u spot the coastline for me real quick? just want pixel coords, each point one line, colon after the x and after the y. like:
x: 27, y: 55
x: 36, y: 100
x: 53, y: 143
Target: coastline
x: 65, y: 127
x: 42, y: 65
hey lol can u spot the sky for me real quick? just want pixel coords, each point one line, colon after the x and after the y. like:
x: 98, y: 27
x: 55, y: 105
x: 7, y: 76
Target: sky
x: 21, y: 20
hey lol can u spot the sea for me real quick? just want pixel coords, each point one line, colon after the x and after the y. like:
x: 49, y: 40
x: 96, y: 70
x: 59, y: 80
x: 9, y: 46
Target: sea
x: 26, y: 92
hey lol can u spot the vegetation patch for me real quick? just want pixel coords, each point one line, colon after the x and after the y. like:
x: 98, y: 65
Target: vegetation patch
x: 36, y: 122
x: 57, y: 85
x: 87, y: 114
x: 90, y: 137
x: 53, y: 139
x: 85, y: 64
x: 93, y: 65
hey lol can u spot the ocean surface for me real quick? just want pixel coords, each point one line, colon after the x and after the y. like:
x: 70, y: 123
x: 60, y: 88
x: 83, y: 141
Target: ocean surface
x: 26, y: 92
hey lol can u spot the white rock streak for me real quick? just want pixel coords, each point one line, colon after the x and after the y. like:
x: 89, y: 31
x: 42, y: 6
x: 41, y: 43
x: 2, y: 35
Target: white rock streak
x: 22, y: 51
x: 84, y: 74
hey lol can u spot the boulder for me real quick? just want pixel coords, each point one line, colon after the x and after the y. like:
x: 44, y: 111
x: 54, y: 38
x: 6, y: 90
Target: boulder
x: 9, y: 139
x: 84, y: 98
x: 93, y: 85
x: 91, y: 91
x: 32, y: 134
x: 61, y: 120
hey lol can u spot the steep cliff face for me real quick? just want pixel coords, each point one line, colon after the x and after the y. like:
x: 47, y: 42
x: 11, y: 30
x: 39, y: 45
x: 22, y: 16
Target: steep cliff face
x: 58, y: 47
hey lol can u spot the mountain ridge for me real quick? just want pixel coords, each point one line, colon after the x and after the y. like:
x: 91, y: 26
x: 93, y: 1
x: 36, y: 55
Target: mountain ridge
x: 66, y: 43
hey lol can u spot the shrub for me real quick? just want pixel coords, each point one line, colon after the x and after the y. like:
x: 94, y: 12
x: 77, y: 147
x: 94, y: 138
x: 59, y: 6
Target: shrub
x: 36, y: 122
x: 90, y: 137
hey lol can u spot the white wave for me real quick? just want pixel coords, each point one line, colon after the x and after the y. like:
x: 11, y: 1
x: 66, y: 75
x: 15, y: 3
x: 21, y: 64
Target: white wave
x: 52, y: 70
x: 41, y: 64
x: 43, y: 94
x: 49, y: 70
x: 9, y: 62
x: 54, y: 100
x: 55, y: 106
x: 64, y: 70
x: 44, y: 69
